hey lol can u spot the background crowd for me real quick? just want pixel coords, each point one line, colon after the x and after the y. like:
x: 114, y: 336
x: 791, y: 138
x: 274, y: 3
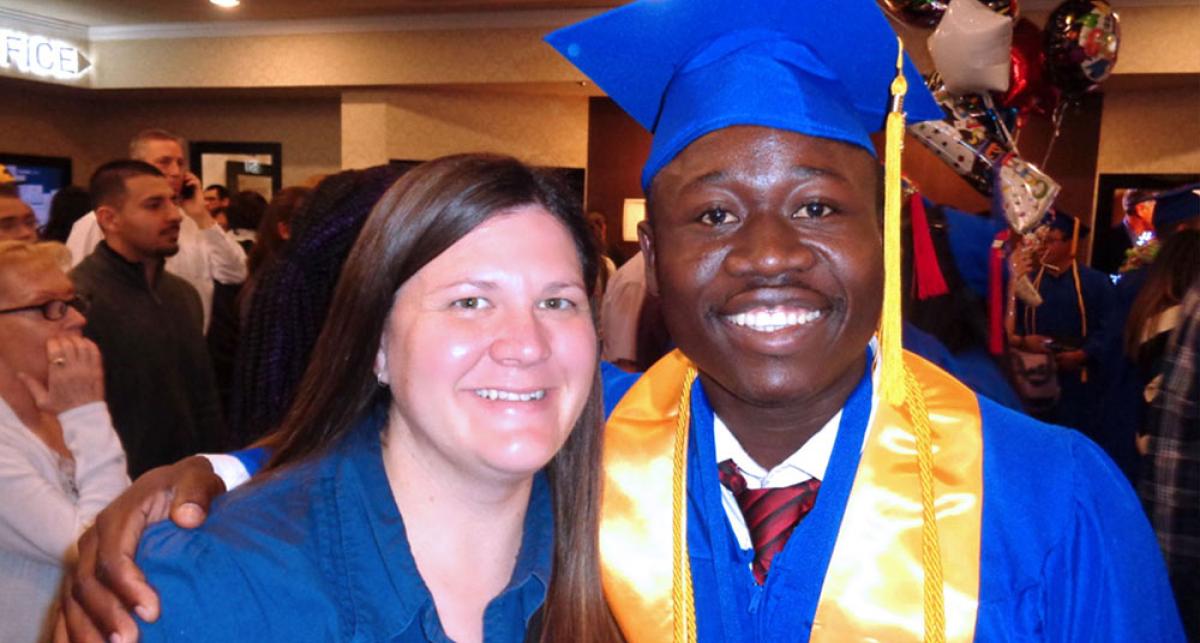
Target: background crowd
x: 153, y: 317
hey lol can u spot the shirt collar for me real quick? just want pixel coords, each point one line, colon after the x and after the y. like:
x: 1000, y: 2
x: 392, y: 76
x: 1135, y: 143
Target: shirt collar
x: 380, y: 556
x: 809, y: 461
x: 131, y: 269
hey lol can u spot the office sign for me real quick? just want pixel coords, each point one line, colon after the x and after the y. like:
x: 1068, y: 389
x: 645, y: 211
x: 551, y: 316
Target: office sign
x: 41, y: 56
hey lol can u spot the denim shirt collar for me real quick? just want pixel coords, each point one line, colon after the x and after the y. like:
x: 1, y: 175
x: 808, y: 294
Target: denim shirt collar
x: 385, y: 587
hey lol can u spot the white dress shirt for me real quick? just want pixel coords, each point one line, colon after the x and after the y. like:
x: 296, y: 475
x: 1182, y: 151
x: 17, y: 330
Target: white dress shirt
x: 806, y: 463
x: 204, y: 255
x: 620, y: 309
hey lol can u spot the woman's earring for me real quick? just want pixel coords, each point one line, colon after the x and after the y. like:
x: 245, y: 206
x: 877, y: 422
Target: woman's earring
x: 381, y: 372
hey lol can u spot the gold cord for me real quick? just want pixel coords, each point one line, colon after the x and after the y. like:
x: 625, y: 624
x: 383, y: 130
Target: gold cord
x: 931, y: 554
x: 683, y: 599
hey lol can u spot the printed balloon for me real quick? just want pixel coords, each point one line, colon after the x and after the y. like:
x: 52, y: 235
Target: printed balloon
x: 1080, y: 44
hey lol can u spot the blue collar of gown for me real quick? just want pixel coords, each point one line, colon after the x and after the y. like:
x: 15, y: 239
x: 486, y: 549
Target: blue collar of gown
x: 378, y: 557
x: 788, y: 600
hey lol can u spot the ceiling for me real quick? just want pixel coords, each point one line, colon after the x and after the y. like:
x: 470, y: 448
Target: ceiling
x: 93, y: 13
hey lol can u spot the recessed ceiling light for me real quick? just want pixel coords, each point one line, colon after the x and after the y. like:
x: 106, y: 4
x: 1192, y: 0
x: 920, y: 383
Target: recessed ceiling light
x: 226, y: 4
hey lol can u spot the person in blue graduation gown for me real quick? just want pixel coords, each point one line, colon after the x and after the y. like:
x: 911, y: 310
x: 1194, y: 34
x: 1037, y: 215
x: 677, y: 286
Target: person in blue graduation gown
x: 1124, y: 403
x: 1070, y: 322
x: 762, y: 240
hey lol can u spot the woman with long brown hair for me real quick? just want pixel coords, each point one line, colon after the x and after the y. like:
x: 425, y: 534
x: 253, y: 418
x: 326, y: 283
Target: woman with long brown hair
x: 1155, y: 311
x: 444, y: 442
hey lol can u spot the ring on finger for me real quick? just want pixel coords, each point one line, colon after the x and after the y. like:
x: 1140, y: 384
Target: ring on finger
x: 59, y: 361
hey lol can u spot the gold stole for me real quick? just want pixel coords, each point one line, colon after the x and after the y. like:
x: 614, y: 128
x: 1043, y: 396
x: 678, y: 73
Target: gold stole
x: 873, y: 587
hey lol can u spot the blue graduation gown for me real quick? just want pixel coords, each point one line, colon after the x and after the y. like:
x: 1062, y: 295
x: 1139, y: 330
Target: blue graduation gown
x: 1058, y: 318
x: 1123, y: 405
x: 1067, y: 554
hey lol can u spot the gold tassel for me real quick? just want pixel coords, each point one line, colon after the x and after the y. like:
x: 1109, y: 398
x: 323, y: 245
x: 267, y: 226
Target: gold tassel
x: 890, y: 329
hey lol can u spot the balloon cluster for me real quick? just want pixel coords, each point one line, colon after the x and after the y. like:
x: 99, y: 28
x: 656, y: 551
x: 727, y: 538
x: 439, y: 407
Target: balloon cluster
x: 994, y: 71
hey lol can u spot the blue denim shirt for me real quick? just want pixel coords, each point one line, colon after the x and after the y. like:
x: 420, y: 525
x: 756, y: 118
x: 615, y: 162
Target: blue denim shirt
x: 318, y: 552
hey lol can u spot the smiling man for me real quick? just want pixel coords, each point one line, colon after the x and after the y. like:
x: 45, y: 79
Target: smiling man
x: 787, y: 474
x: 147, y: 322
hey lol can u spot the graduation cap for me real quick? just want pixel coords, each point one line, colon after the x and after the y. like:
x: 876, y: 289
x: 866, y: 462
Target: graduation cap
x: 1174, y: 206
x: 1056, y: 219
x: 684, y: 68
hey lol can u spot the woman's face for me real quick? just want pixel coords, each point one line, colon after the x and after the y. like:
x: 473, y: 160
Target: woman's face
x: 490, y: 349
x: 23, y: 334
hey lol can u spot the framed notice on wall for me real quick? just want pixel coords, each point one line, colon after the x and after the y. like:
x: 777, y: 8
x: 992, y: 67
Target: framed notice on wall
x: 254, y: 167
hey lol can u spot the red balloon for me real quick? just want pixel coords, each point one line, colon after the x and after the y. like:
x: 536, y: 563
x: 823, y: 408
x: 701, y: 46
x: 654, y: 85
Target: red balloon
x: 1028, y: 89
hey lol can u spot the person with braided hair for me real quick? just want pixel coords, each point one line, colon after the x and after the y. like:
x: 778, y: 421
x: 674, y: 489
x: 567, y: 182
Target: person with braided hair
x: 290, y: 297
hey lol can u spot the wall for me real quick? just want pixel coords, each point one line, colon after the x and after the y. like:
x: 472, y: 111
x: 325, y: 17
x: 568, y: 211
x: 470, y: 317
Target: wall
x: 331, y: 59
x: 308, y: 128
x: 35, y: 120
x: 617, y: 150
x: 544, y: 130
x: 420, y: 124
x: 92, y: 128
x: 1151, y: 130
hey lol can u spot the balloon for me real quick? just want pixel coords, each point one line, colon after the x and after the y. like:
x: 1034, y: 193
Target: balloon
x: 967, y: 147
x: 1023, y: 192
x: 1080, y: 43
x: 927, y: 13
x: 970, y: 48
x: 922, y: 13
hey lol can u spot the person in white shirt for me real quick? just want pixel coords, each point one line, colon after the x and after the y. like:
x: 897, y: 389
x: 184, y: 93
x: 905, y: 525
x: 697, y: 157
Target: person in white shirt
x: 206, y: 252
x: 620, y: 311
x: 60, y: 459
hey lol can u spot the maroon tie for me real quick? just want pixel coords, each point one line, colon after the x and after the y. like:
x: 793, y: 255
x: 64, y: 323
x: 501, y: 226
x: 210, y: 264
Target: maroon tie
x: 771, y: 514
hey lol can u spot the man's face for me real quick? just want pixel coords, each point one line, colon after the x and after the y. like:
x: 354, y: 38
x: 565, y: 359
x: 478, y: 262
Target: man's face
x: 214, y: 203
x: 147, y: 223
x: 766, y: 249
x: 1056, y: 247
x: 17, y: 222
x: 167, y: 156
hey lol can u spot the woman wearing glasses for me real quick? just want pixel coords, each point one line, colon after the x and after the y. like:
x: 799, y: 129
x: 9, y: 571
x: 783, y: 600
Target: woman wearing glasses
x: 60, y: 460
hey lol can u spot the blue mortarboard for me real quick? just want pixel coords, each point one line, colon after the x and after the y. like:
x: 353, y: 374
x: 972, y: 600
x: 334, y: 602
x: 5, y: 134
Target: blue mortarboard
x: 1065, y: 223
x: 1173, y: 206
x: 684, y: 68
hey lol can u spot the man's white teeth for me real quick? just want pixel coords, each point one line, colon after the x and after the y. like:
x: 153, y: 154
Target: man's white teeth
x: 769, y: 321
x: 509, y: 396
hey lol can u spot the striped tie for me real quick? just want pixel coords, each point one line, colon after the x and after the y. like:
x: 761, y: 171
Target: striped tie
x: 771, y: 514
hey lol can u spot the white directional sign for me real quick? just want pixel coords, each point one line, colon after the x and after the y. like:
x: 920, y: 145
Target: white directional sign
x: 41, y: 56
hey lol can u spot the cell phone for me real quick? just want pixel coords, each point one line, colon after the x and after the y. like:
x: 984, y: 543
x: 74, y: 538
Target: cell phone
x: 187, y: 192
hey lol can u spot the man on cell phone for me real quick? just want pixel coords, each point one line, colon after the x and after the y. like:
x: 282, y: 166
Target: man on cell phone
x: 206, y: 252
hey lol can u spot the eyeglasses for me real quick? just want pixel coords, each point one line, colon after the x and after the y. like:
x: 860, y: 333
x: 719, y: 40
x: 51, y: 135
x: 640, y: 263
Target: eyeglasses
x: 55, y: 309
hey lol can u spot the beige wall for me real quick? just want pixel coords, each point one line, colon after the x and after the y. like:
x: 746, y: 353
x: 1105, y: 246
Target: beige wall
x: 544, y: 130
x: 91, y: 129
x: 336, y: 59
x: 420, y: 124
x: 308, y: 128
x: 46, y: 124
x: 1153, y: 130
